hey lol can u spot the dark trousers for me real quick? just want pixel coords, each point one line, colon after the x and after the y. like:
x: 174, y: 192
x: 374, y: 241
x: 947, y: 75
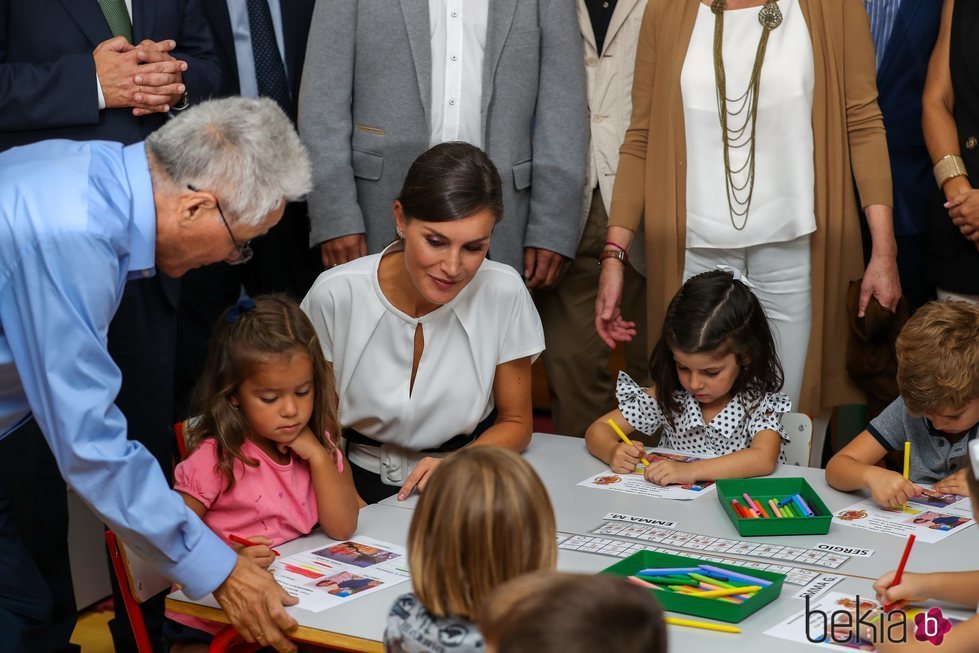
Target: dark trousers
x: 37, y: 600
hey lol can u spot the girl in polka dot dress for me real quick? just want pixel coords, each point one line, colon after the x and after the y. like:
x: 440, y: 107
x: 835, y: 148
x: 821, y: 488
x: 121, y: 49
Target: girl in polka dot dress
x: 716, y: 380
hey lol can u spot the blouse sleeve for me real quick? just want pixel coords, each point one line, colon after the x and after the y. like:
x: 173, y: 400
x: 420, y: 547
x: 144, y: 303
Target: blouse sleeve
x: 768, y: 415
x: 198, y: 476
x: 641, y: 410
x: 320, y: 305
x: 523, y: 334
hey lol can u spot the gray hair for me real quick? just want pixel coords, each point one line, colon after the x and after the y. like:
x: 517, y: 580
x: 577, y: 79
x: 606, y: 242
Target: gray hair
x: 245, y: 151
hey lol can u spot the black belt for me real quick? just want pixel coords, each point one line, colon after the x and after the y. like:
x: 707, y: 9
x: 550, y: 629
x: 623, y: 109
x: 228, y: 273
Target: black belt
x: 453, y: 444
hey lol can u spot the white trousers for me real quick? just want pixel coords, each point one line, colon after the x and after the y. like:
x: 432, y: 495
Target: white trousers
x: 781, y: 279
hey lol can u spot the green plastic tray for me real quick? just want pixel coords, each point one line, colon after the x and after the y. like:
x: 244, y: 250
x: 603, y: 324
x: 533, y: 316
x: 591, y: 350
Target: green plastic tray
x: 763, y: 489
x: 693, y: 605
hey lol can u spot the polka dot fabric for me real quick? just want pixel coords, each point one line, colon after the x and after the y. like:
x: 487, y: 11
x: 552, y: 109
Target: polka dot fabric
x: 731, y: 430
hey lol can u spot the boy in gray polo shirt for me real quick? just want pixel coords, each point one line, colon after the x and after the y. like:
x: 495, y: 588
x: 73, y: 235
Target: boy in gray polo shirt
x: 937, y: 412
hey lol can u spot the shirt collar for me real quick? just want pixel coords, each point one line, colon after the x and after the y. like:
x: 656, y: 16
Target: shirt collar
x: 142, y: 230
x: 692, y: 417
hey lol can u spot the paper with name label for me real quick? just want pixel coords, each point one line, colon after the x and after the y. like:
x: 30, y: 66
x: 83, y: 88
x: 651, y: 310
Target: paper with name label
x: 341, y: 571
x: 930, y: 517
x: 636, y: 483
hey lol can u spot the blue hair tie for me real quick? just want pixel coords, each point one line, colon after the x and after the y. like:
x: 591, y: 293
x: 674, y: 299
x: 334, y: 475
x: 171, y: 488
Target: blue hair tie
x: 243, y: 305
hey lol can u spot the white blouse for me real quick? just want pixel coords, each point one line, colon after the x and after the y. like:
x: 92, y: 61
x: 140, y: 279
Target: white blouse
x: 782, y: 205
x: 371, y: 345
x: 730, y: 430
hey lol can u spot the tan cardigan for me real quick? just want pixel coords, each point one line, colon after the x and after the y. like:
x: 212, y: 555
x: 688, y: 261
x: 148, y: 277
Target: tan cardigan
x: 848, y: 134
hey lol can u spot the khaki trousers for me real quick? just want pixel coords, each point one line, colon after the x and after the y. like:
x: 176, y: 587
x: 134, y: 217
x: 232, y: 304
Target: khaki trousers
x: 576, y: 361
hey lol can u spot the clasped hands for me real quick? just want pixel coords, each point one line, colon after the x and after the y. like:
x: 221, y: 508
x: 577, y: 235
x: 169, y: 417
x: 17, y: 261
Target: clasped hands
x: 145, y: 77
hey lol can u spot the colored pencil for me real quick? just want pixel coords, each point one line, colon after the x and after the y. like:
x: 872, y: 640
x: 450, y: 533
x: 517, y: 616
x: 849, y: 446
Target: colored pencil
x: 900, y: 568
x: 640, y: 582
x: 690, y: 623
x: 676, y: 580
x: 798, y: 504
x: 727, y: 573
x: 787, y: 510
x: 907, y: 465
x: 728, y: 592
x: 666, y: 571
x: 242, y: 541
x: 771, y: 504
x: 625, y: 438
x: 809, y: 511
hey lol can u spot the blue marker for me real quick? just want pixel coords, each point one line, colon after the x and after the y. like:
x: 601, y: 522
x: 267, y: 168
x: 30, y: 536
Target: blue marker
x: 805, y: 505
x: 797, y: 500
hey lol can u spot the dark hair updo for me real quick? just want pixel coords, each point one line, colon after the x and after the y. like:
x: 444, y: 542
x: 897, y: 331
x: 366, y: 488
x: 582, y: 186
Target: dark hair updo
x: 449, y: 182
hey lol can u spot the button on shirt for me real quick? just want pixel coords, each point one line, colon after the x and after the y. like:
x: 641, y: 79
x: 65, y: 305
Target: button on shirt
x: 458, y: 29
x: 77, y: 220
x: 238, y: 12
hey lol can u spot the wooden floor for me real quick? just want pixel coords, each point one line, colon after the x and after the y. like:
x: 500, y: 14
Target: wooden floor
x: 92, y: 632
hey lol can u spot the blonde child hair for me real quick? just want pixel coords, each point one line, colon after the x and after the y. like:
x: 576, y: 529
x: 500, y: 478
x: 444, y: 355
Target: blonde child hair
x: 483, y: 519
x: 551, y: 612
x: 249, y: 335
x: 938, y: 357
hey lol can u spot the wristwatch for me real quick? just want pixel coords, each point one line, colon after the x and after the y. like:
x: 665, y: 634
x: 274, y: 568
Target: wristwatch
x: 183, y: 104
x: 618, y: 254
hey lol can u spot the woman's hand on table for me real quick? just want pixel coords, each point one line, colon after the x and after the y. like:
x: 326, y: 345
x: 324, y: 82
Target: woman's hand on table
x: 890, y: 489
x: 418, y: 477
x: 254, y: 604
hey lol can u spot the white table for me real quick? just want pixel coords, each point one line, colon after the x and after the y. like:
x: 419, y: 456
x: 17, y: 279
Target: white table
x: 562, y: 462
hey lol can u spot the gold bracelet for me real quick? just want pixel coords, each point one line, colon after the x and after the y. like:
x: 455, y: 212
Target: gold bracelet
x: 949, y: 167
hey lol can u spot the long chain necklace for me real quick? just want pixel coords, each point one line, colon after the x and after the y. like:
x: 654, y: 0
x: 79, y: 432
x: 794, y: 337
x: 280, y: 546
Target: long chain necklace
x: 744, y: 106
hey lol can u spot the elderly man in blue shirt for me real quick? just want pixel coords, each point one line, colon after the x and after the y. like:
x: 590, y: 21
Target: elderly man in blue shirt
x: 77, y: 220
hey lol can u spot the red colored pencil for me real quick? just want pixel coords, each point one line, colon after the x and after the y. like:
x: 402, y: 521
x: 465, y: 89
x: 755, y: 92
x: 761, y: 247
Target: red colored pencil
x: 242, y: 541
x: 900, y: 568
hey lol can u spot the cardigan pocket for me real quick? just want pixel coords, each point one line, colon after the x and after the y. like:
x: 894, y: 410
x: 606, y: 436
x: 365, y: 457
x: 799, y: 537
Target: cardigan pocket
x: 366, y: 147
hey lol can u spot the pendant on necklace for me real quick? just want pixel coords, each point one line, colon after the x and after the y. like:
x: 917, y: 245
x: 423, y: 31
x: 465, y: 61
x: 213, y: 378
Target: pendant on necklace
x: 770, y: 16
x: 718, y: 6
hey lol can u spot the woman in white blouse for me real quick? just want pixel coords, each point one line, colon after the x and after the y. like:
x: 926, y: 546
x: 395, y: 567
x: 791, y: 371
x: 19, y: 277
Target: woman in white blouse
x: 431, y: 343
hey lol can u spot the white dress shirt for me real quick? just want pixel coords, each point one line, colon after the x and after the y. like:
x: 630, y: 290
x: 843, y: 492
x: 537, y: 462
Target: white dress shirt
x: 240, y: 29
x: 782, y: 205
x: 458, y: 29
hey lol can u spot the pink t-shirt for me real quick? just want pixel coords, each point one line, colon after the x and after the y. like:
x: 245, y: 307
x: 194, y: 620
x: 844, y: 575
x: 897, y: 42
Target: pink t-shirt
x: 273, y: 500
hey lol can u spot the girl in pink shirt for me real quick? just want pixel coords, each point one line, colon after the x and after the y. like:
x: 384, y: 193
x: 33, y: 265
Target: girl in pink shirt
x: 263, y: 464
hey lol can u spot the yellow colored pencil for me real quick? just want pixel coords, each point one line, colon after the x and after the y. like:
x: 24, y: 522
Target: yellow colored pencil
x: 690, y: 623
x: 907, y: 466
x: 625, y: 438
x: 727, y: 592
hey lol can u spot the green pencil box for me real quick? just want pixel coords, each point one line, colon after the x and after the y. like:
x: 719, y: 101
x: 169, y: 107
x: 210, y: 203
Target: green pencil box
x: 694, y: 605
x: 763, y: 489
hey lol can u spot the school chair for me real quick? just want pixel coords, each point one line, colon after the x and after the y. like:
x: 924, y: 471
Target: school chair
x: 798, y: 427
x: 180, y: 433
x: 138, y: 581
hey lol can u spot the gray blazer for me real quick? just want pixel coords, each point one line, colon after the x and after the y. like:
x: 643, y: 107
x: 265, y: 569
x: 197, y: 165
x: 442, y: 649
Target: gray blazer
x: 364, y: 114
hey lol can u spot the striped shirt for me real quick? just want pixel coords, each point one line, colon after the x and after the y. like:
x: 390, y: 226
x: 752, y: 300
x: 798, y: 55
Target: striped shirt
x: 882, y: 14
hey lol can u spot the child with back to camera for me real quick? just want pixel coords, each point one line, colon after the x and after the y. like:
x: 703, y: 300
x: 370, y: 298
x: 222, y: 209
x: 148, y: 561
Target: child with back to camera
x: 716, y: 380
x: 264, y: 464
x: 937, y: 411
x: 552, y: 612
x: 957, y: 587
x: 484, y: 519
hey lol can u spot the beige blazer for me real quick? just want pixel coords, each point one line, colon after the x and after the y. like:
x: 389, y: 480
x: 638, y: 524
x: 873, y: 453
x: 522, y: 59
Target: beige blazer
x: 609, y: 79
x: 849, y: 146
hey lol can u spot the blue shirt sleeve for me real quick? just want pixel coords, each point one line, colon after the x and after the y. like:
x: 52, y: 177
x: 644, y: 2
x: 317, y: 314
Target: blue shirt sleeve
x: 55, y: 309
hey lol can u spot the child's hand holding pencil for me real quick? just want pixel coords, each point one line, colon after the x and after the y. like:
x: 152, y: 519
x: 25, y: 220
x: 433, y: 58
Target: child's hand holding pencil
x: 890, y: 489
x: 912, y: 588
x: 256, y: 548
x: 626, y: 455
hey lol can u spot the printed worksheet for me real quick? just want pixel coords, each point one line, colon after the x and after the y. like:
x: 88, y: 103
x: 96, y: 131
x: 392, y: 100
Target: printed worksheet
x: 930, y: 516
x: 827, y: 622
x: 635, y: 483
x: 338, y: 572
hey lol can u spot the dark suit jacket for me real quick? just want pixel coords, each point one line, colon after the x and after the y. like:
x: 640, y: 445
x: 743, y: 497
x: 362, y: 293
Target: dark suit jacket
x: 47, y: 73
x: 296, y: 17
x: 900, y: 82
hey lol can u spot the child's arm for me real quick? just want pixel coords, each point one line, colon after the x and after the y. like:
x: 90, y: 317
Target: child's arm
x: 605, y: 444
x: 954, y: 484
x: 261, y: 555
x: 854, y: 468
x: 757, y: 460
x: 336, y: 498
x: 959, y: 587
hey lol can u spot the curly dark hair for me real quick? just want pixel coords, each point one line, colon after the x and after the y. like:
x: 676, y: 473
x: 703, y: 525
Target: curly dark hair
x: 715, y: 313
